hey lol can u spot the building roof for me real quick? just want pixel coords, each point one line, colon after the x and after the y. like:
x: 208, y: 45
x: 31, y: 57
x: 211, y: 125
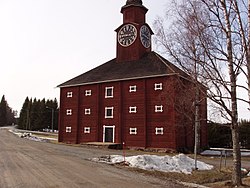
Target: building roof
x: 134, y: 2
x: 150, y: 65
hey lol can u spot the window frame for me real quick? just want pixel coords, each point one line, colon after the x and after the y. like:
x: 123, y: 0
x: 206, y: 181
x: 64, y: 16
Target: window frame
x: 87, y: 111
x: 68, y: 129
x: 106, y: 92
x: 132, y: 88
x: 159, y: 108
x: 133, y: 109
x: 159, y: 131
x: 106, y: 112
x: 69, y: 112
x: 86, y: 130
x: 88, y: 92
x: 133, y: 131
x: 158, y: 86
x: 69, y: 94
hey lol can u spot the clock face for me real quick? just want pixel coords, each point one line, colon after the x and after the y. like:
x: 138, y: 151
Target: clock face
x: 145, y: 36
x: 127, y: 35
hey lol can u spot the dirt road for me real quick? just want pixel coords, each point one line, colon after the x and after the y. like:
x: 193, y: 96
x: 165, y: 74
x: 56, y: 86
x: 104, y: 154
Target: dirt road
x: 29, y: 164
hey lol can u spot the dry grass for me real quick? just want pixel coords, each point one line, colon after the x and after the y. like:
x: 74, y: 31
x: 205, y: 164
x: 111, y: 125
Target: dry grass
x: 45, y: 135
x: 212, y: 178
x: 200, y: 177
x: 227, y: 184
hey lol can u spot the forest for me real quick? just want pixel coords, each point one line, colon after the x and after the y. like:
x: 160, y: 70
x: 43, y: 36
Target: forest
x: 37, y: 115
x: 7, y: 115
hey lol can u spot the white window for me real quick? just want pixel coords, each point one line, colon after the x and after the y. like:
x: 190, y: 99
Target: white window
x: 87, y: 92
x: 86, y: 130
x: 69, y: 94
x: 87, y: 111
x: 68, y: 129
x: 159, y: 131
x: 159, y: 108
x: 109, y: 112
x: 132, y: 89
x: 68, y: 112
x: 132, y: 130
x: 158, y: 86
x: 109, y: 92
x: 132, y: 109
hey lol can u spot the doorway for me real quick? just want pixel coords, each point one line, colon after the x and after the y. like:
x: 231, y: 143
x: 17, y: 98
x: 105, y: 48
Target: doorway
x: 109, y: 133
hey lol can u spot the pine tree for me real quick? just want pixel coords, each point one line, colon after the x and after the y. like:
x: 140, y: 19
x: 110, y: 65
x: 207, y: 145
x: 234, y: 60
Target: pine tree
x: 3, y: 112
x: 23, y: 121
x: 37, y: 114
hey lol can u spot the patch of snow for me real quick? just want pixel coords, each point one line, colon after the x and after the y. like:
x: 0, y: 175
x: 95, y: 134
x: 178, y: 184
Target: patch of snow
x: 179, y: 163
x: 28, y: 136
x: 248, y: 174
x: 211, y: 152
x: 218, y: 153
x: 245, y: 154
x: 244, y: 170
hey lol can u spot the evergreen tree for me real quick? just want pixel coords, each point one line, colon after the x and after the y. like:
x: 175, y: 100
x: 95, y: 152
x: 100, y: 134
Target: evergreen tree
x: 244, y: 134
x: 3, y: 112
x: 37, y: 114
x: 23, y: 121
x: 7, y: 115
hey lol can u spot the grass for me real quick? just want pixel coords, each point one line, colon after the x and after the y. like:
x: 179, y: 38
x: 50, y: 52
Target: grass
x: 211, y: 178
x: 227, y: 184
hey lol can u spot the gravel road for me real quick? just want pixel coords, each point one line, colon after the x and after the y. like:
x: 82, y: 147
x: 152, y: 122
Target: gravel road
x: 29, y: 164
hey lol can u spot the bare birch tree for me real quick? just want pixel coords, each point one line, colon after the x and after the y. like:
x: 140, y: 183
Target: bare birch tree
x: 248, y: 50
x: 208, y: 40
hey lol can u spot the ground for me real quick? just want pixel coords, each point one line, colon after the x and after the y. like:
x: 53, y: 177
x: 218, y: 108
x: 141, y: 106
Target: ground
x: 25, y: 163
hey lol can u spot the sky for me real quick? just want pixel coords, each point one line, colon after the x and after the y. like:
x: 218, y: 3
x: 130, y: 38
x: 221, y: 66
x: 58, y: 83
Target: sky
x: 44, y: 43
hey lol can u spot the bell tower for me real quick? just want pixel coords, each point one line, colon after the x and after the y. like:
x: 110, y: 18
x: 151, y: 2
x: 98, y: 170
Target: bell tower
x: 134, y: 35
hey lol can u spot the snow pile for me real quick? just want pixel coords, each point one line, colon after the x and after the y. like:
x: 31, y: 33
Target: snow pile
x: 28, y: 136
x: 179, y: 163
x: 248, y: 174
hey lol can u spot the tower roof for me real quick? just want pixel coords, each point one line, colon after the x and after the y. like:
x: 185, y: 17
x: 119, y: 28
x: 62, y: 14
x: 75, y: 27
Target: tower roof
x: 137, y: 3
x: 134, y: 2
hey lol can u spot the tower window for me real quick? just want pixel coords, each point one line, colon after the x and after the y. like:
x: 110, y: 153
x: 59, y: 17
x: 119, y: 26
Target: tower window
x: 109, y: 92
x: 159, y: 131
x: 69, y: 112
x: 132, y: 109
x: 109, y: 112
x: 87, y: 92
x: 158, y: 86
x: 87, y: 111
x: 159, y: 108
x: 133, y: 131
x: 69, y: 94
x: 132, y: 89
x: 86, y: 130
x: 68, y: 129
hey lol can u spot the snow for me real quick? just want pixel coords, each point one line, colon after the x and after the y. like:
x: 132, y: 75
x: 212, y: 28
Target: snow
x: 211, y: 152
x: 248, y: 174
x: 28, y: 136
x: 218, y: 153
x: 179, y: 163
x: 245, y: 154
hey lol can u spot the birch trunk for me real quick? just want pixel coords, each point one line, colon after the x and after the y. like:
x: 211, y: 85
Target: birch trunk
x: 197, y: 125
x: 236, y: 174
x: 248, y: 52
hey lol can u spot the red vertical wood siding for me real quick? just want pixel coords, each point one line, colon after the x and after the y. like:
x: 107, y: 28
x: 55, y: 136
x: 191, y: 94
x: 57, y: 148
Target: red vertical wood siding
x: 178, y: 130
x: 69, y: 120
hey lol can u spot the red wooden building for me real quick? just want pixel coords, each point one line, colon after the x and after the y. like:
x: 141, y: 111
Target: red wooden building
x: 138, y: 97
